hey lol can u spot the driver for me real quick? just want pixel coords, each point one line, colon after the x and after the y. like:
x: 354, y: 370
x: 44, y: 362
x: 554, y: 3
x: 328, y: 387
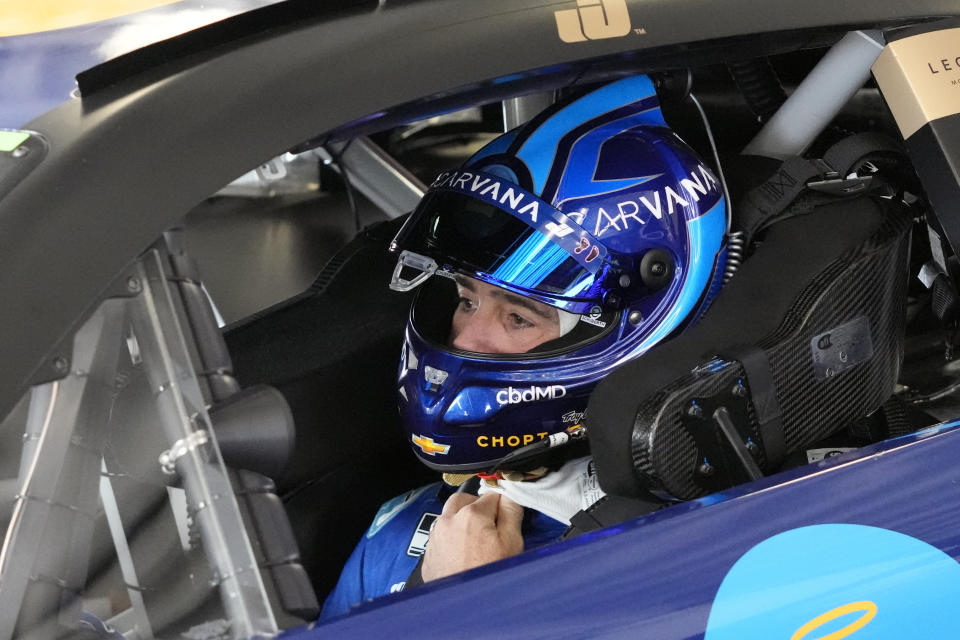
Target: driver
x: 559, y: 251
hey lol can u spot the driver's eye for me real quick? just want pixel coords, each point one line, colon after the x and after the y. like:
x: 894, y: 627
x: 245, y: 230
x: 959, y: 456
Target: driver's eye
x: 466, y: 304
x: 519, y: 322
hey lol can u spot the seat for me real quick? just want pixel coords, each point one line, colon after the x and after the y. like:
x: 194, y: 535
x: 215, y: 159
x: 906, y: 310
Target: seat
x: 803, y: 341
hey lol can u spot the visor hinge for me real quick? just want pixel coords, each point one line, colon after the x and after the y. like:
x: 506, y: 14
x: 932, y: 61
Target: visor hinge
x: 426, y: 267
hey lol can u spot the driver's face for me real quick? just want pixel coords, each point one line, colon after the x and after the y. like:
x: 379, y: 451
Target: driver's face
x: 489, y: 319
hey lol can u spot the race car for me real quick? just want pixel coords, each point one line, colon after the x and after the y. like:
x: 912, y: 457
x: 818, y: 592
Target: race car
x: 178, y: 465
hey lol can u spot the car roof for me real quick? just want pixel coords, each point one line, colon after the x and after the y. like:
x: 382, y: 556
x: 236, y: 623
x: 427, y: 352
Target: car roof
x: 45, y: 44
x: 159, y: 131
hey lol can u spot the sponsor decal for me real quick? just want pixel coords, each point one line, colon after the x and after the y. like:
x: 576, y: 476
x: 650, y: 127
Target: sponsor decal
x: 510, y: 441
x: 421, y: 535
x: 594, y: 20
x: 864, y: 582
x: 815, y: 455
x: 919, y: 77
x: 621, y: 216
x: 865, y: 608
x: 532, y: 394
x: 592, y: 250
x: 590, y: 490
x: 841, y: 348
x: 10, y: 140
x: 572, y: 417
x: 508, y: 195
x: 390, y: 509
x: 944, y: 64
x: 590, y: 319
x: 529, y: 208
x: 560, y: 230
x: 429, y: 447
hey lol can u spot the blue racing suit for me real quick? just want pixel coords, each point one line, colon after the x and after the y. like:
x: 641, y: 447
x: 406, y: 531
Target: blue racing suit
x: 388, y: 552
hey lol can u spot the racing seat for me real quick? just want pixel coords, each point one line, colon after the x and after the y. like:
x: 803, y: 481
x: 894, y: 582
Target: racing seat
x: 803, y: 341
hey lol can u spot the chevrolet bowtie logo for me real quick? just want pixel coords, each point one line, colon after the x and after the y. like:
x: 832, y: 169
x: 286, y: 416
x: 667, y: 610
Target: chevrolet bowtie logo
x: 429, y: 447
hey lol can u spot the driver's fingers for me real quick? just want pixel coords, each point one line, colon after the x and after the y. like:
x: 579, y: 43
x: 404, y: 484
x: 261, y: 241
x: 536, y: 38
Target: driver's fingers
x: 509, y: 514
x: 485, y: 507
x: 456, y: 502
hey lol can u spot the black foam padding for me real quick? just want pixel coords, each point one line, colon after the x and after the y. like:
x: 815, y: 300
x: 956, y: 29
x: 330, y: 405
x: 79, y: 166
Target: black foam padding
x: 208, y: 353
x: 330, y: 513
x: 333, y: 353
x: 275, y: 546
x: 751, y: 308
x: 255, y: 430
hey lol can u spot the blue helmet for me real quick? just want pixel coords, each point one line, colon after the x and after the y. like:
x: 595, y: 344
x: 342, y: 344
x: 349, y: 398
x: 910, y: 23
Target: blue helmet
x: 595, y: 208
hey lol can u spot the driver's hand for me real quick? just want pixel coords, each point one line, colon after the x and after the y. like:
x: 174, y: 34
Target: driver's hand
x: 471, y: 532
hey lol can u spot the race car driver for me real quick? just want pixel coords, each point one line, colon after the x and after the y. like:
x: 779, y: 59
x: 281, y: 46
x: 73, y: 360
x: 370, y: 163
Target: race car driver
x: 559, y: 251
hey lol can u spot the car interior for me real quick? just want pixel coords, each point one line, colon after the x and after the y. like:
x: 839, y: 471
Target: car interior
x: 280, y: 283
x: 332, y: 349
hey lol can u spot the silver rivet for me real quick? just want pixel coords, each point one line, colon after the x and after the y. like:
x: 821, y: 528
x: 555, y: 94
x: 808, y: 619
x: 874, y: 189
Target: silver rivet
x: 60, y: 364
x: 624, y: 280
x: 20, y: 151
x: 635, y: 317
x: 133, y: 284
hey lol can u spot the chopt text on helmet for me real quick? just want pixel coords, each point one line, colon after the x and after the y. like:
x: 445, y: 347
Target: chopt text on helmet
x: 601, y: 227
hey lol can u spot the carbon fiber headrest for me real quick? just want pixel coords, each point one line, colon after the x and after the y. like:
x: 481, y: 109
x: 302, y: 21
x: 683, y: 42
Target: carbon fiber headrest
x: 820, y: 304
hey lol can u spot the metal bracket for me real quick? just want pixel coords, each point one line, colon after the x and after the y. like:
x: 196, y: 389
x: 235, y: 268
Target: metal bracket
x: 841, y: 186
x: 57, y: 365
x: 168, y: 459
x: 726, y: 450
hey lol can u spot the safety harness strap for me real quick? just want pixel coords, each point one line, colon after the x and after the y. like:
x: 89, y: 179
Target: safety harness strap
x: 607, y: 511
x: 763, y: 394
x: 800, y: 184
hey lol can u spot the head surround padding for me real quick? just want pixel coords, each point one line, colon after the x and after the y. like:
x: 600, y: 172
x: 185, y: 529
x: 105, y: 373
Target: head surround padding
x: 750, y: 308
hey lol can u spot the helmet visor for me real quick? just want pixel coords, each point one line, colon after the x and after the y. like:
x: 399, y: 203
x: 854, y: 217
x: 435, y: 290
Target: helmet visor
x: 532, y: 249
x: 472, y: 316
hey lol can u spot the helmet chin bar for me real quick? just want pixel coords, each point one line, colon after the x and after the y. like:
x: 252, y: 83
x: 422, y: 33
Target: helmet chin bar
x: 426, y: 267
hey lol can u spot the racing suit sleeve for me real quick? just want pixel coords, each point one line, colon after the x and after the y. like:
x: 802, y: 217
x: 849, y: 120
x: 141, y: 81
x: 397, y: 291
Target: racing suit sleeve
x: 387, y: 553
x: 349, y: 590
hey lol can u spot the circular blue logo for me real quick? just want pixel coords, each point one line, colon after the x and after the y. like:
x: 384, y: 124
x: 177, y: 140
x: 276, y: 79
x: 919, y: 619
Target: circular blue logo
x: 834, y: 581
